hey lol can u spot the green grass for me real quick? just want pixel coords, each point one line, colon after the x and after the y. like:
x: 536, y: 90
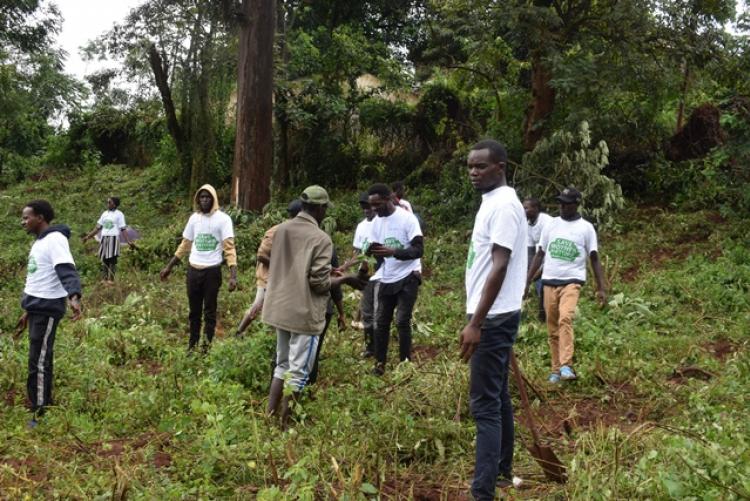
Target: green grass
x: 136, y: 416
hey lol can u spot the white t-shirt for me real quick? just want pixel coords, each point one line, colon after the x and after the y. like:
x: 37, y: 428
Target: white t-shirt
x: 361, y: 234
x: 45, y: 254
x: 566, y: 245
x: 396, y: 231
x: 501, y: 221
x: 207, y: 232
x: 112, y: 222
x: 535, y: 230
x: 404, y: 204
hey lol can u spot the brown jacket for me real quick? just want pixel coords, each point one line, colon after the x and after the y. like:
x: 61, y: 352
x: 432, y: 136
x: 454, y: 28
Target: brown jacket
x: 299, y: 278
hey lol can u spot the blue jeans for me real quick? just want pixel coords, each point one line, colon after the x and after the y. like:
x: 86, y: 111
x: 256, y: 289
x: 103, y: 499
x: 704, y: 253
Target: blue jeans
x: 490, y: 403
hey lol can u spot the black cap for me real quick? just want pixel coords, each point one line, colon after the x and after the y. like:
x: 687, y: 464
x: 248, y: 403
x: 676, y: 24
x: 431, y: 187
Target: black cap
x: 294, y: 207
x: 569, y: 195
x: 364, y: 198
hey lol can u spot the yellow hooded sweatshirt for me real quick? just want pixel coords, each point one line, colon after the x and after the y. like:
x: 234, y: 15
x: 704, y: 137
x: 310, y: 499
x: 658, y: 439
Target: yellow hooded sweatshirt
x: 185, y: 247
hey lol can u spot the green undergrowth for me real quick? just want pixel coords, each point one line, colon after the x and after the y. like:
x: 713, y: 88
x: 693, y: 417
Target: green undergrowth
x: 659, y: 410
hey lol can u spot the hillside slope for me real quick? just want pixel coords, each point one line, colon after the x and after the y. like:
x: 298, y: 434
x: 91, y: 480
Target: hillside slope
x: 660, y: 410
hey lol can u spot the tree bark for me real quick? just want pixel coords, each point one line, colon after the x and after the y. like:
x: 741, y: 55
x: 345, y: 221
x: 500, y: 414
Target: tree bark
x: 253, y: 147
x: 543, y: 102
x: 683, y: 96
x: 173, y: 125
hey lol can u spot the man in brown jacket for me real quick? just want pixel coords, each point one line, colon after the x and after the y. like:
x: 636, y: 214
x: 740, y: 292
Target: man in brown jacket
x: 299, y: 284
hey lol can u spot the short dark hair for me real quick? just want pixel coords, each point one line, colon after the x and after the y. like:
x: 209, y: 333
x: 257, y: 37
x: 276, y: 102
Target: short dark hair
x: 380, y: 189
x: 116, y: 201
x: 533, y: 201
x: 497, y: 150
x: 42, y: 208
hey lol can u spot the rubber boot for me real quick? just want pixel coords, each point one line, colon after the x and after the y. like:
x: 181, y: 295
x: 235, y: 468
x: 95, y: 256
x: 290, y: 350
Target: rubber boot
x: 274, y: 396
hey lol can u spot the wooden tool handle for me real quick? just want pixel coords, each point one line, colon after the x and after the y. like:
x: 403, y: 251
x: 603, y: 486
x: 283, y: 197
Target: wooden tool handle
x: 524, y: 397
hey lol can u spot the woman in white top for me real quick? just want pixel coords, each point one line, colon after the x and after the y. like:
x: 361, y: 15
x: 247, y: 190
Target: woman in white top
x: 112, y: 224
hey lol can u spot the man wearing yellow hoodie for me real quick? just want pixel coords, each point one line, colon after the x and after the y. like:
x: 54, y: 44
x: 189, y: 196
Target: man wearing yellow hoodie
x: 209, y: 233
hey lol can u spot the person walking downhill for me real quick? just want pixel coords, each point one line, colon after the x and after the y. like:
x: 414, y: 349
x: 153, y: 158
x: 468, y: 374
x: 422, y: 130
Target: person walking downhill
x: 209, y: 233
x: 51, y: 280
x: 395, y: 236
x: 537, y: 221
x: 566, y: 242
x: 495, y: 270
x: 299, y: 283
x: 112, y: 225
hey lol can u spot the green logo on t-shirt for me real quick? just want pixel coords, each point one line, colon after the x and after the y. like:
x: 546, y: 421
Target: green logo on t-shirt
x: 205, y: 242
x: 107, y: 224
x: 32, y: 266
x: 470, y: 258
x: 564, y: 250
x: 393, y: 243
x: 365, y: 246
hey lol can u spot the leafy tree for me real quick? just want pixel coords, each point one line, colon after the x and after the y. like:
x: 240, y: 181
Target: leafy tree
x: 186, y: 48
x: 33, y: 88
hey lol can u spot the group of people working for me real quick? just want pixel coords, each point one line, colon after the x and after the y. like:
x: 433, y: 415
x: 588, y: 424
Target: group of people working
x: 299, y: 282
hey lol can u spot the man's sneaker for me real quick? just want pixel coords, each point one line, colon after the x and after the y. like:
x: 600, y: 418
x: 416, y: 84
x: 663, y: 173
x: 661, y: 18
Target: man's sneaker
x: 508, y: 481
x: 566, y: 373
x: 554, y: 378
x: 32, y: 423
x: 378, y: 370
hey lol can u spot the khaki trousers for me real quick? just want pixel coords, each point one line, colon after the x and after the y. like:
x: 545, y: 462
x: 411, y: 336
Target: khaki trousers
x: 560, y: 306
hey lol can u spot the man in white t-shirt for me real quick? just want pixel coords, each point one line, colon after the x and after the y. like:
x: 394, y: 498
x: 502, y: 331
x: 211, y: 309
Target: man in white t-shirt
x: 566, y: 242
x: 495, y: 270
x: 366, y: 305
x: 395, y: 236
x: 399, y: 192
x: 208, y: 238
x: 537, y: 220
x: 51, y: 281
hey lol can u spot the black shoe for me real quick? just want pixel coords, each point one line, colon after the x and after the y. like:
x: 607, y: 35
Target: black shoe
x: 378, y: 370
x: 367, y: 353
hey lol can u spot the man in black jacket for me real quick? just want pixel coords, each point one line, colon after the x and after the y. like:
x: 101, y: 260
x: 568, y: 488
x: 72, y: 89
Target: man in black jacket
x: 51, y: 280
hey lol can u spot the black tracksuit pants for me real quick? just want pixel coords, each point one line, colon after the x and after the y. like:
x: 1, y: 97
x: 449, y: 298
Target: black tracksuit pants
x: 399, y: 297
x: 203, y: 291
x: 42, y: 329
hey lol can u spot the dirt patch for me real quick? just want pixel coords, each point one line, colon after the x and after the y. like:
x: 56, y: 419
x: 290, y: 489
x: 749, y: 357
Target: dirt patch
x: 630, y: 273
x: 10, y: 397
x: 162, y: 459
x: 720, y: 349
x: 424, y: 353
x: 620, y: 407
x: 152, y: 367
x: 715, y: 218
x: 681, y: 374
x: 26, y: 467
x: 420, y: 488
x: 122, y: 447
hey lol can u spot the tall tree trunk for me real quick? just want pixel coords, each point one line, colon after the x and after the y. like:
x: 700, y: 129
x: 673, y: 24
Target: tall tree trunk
x: 282, y: 177
x: 161, y: 77
x: 543, y: 102
x: 253, y: 147
x: 203, y: 140
x: 683, y: 96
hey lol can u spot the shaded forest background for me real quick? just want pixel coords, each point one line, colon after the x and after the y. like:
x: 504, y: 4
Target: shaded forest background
x: 644, y: 100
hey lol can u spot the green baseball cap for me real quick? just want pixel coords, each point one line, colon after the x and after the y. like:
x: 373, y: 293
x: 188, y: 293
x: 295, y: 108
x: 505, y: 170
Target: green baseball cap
x: 315, y: 195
